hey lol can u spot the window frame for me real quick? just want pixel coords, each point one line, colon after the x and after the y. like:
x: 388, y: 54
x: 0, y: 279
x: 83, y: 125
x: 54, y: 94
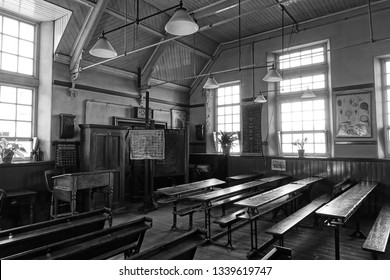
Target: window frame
x: 386, y: 109
x: 216, y: 134
x: 323, y: 94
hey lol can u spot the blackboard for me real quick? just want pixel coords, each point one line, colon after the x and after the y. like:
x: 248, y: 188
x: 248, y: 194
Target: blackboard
x: 173, y: 164
x: 251, y: 129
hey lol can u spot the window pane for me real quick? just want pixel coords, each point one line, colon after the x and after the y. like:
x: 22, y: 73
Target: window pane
x: 7, y: 94
x: 25, y: 96
x: 7, y: 111
x: 11, y: 27
x: 236, y: 109
x: 26, y: 49
x: 287, y: 148
x: 23, y: 113
x: 25, y: 66
x: 10, y: 44
x: 287, y: 138
x: 319, y: 125
x: 7, y: 128
x: 9, y: 62
x: 286, y: 107
x: 26, y: 31
x: 23, y: 129
x: 286, y: 126
x: 320, y: 148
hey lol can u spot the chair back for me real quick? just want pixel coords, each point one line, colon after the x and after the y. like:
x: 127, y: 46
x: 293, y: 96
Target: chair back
x: 49, y: 174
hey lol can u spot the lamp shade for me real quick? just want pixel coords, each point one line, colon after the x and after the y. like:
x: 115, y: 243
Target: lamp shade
x: 103, y: 48
x: 181, y: 23
x: 211, y: 83
x: 308, y: 93
x: 260, y: 98
x: 273, y: 75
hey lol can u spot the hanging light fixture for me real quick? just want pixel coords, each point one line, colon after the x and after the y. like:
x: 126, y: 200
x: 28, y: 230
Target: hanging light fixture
x: 308, y: 93
x: 103, y: 48
x: 273, y: 75
x: 211, y: 83
x: 260, y: 98
x: 181, y: 23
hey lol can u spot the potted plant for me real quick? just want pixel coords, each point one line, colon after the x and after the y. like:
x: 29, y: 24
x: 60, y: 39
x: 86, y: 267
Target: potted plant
x: 300, y: 144
x: 226, y: 139
x: 8, y: 150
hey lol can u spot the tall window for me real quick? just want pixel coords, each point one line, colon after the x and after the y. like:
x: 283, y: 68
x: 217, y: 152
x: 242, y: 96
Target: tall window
x: 386, y: 89
x: 228, y: 112
x: 303, y: 119
x: 17, y: 46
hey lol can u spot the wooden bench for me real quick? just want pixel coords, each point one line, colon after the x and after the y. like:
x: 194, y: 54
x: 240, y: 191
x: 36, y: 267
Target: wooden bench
x: 242, y: 214
x: 239, y: 179
x: 15, y: 240
x: 278, y: 253
x: 190, y: 210
x: 280, y: 229
x: 125, y: 238
x: 182, y: 248
x: 378, y: 236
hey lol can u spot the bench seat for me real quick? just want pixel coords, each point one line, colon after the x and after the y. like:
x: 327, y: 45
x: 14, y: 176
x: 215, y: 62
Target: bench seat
x: 378, y: 236
x: 15, y: 240
x: 182, y: 248
x: 190, y: 210
x: 101, y: 244
x: 280, y: 229
x: 278, y: 253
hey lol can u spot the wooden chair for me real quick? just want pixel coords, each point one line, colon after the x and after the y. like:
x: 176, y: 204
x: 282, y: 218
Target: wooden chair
x: 49, y: 174
x: 3, y: 196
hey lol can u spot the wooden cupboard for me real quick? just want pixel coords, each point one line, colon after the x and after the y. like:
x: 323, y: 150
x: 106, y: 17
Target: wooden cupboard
x: 103, y: 147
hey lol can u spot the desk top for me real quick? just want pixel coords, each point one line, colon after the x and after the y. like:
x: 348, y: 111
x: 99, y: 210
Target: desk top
x: 226, y: 191
x: 345, y: 205
x: 308, y: 180
x: 266, y: 197
x: 190, y: 187
x: 271, y: 179
x: 243, y: 176
x: 20, y: 193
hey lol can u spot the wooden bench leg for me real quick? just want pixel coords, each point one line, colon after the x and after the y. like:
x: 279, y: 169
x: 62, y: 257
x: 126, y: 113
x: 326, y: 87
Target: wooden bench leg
x: 190, y: 221
x: 281, y: 241
x: 174, y: 227
x: 229, y: 235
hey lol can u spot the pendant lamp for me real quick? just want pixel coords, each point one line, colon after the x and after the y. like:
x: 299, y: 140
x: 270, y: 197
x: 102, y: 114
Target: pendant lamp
x: 308, y: 93
x: 181, y: 23
x: 103, y: 48
x: 273, y: 75
x: 211, y: 83
x: 260, y: 98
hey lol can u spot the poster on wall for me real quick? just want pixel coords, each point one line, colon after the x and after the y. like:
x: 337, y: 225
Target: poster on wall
x: 353, y: 115
x: 178, y: 119
x: 147, y: 144
x: 278, y: 164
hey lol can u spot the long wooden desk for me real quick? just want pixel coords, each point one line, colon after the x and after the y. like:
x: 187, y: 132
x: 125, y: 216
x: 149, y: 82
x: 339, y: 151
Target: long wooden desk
x: 67, y: 185
x: 184, y: 190
x: 254, y: 202
x: 208, y: 198
x: 339, y: 210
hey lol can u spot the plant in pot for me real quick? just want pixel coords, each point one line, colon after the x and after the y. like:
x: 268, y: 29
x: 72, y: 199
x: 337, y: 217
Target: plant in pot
x: 300, y: 144
x: 226, y: 139
x: 8, y: 150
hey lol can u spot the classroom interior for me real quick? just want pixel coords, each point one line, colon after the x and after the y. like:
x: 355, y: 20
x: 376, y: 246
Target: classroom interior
x: 114, y: 116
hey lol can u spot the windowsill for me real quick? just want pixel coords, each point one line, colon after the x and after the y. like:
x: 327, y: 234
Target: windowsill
x: 25, y: 163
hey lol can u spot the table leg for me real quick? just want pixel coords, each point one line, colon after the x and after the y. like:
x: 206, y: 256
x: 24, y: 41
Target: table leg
x: 174, y: 227
x: 337, y: 242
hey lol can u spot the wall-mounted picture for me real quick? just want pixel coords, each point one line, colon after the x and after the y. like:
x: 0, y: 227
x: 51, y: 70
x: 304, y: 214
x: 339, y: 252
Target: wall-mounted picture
x: 353, y: 115
x: 178, y: 119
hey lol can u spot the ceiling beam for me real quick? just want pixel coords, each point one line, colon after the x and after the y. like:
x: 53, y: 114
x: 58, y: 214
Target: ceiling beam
x: 86, y: 34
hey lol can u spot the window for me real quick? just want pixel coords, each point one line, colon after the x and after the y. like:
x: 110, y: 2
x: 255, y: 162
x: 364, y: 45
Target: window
x: 299, y: 118
x: 17, y: 46
x: 228, y: 112
x: 386, y: 89
x: 16, y: 114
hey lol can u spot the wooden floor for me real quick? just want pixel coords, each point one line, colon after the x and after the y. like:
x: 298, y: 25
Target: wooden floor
x: 306, y: 242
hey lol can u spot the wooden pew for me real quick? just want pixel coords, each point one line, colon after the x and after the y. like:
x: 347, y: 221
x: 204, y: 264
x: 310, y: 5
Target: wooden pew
x: 278, y: 253
x: 181, y: 248
x: 283, y: 227
x: 378, y: 236
x: 15, y: 240
x: 125, y: 238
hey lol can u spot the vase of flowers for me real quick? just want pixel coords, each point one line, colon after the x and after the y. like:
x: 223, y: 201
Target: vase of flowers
x: 226, y: 139
x: 300, y: 144
x: 8, y: 150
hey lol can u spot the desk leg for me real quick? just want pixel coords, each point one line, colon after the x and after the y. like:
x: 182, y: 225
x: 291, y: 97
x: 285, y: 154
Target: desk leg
x: 174, y: 227
x: 357, y: 233
x: 31, y: 212
x: 337, y: 242
x: 73, y: 203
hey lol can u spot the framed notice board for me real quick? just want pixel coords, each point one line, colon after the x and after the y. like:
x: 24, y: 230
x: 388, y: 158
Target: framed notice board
x: 251, y: 129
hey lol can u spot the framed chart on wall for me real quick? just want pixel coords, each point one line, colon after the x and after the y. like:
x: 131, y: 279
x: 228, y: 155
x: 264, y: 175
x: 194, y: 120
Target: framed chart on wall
x: 178, y: 119
x: 353, y: 115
